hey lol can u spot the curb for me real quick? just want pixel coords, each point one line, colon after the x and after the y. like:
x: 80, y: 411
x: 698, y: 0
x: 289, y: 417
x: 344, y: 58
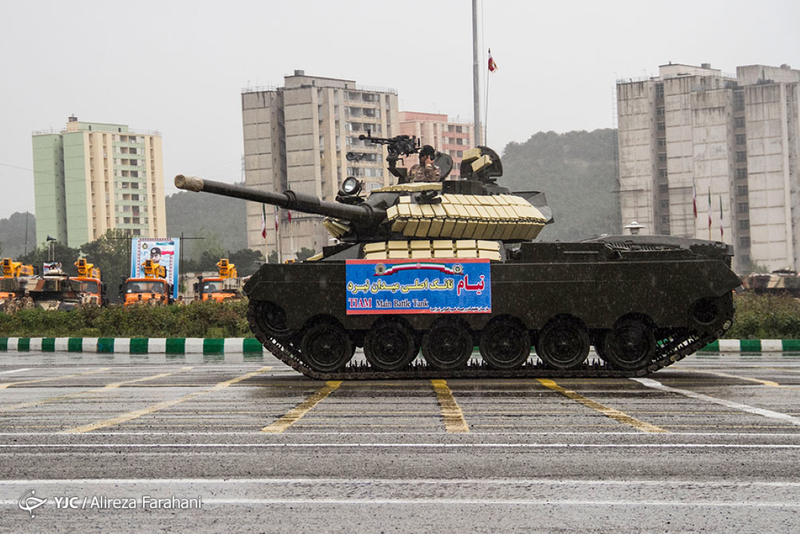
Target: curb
x: 183, y: 345
x: 753, y: 345
x: 132, y: 345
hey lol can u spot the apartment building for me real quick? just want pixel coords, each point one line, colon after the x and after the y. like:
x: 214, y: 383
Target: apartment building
x: 725, y: 143
x: 91, y: 177
x: 298, y: 137
x: 437, y: 130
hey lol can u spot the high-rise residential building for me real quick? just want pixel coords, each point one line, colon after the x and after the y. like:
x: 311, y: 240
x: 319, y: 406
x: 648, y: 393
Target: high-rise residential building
x: 435, y: 129
x: 727, y: 145
x: 297, y: 137
x: 91, y: 177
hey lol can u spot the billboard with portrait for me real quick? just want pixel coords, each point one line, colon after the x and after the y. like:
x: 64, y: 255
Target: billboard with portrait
x: 163, y: 251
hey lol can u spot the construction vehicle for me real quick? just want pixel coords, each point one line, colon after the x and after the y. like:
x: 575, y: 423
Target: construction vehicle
x: 15, y: 269
x: 151, y: 289
x: 445, y: 266
x: 10, y: 285
x: 226, y: 286
x: 92, y: 290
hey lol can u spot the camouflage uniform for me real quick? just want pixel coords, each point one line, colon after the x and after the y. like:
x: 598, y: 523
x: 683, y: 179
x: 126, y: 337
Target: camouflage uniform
x: 11, y: 306
x: 27, y: 303
x: 428, y: 173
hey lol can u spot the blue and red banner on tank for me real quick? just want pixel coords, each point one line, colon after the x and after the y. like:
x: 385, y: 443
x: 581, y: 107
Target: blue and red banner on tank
x: 428, y: 286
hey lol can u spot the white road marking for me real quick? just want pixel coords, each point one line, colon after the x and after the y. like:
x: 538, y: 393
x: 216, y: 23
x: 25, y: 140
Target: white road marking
x: 13, y: 371
x: 258, y: 433
x: 649, y: 382
x: 409, y: 481
x: 492, y: 502
x: 15, y: 447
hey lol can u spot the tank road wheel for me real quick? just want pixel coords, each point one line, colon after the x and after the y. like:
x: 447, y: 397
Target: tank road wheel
x: 269, y: 318
x: 505, y: 344
x: 563, y: 344
x: 630, y: 345
x: 447, y: 345
x: 390, y: 346
x: 326, y: 347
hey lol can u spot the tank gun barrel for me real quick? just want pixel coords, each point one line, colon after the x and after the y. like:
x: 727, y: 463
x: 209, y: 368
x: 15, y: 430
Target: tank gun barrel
x: 362, y: 214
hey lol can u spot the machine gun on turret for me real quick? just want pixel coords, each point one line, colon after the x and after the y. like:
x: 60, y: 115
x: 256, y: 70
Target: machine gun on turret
x: 401, y: 145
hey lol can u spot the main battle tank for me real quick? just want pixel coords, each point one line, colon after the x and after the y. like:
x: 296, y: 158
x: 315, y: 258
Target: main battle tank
x: 447, y: 266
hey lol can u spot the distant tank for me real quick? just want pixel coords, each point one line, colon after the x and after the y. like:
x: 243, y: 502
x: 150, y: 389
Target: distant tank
x: 780, y: 282
x: 443, y: 267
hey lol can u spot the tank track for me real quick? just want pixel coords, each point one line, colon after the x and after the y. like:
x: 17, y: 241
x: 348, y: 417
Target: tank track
x: 669, y: 351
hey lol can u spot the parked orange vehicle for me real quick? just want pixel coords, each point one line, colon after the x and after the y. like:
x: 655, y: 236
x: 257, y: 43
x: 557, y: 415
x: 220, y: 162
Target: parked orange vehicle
x: 92, y: 290
x: 152, y: 287
x: 226, y: 286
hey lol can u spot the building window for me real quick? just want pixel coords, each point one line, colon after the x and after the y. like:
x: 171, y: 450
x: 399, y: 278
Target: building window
x: 738, y: 122
x: 659, y: 90
x: 741, y: 190
x: 662, y: 141
x: 743, y: 207
x: 744, y: 224
x: 738, y: 100
x: 660, y: 111
x: 744, y: 241
x: 661, y: 126
x: 663, y: 188
x: 741, y: 173
x: 665, y: 219
x: 664, y: 204
x: 662, y: 158
x: 741, y: 139
x: 662, y: 173
x: 741, y: 157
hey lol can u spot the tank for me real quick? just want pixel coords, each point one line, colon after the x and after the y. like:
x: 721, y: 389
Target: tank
x: 423, y: 273
x: 780, y: 282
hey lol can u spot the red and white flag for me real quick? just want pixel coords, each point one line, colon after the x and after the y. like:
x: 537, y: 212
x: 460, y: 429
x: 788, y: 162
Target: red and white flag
x: 709, y: 209
x: 263, y: 221
x: 721, y: 231
x: 276, y: 219
x: 289, y: 215
x: 492, y: 64
x: 694, y: 199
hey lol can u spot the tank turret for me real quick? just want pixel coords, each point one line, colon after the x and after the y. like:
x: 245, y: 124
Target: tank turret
x: 475, y: 208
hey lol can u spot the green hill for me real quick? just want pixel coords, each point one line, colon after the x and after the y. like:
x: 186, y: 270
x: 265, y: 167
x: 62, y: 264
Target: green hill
x: 577, y: 172
x: 13, y: 232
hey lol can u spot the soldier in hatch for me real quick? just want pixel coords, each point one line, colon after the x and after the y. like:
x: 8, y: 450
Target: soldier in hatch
x: 425, y: 170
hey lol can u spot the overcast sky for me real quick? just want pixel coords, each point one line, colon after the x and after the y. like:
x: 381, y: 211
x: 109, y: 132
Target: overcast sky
x: 179, y: 67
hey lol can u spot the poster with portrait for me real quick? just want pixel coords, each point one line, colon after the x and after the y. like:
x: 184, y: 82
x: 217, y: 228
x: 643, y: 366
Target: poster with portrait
x: 163, y: 251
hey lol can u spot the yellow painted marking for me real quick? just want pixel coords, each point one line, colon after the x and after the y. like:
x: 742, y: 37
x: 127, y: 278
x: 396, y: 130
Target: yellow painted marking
x: 9, y: 384
x: 454, y: 421
x: 296, y: 413
x: 605, y: 410
x: 769, y: 383
x: 89, y: 392
x: 161, y: 405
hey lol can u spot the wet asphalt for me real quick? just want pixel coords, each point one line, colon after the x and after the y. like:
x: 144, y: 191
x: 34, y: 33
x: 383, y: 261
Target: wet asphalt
x: 126, y: 442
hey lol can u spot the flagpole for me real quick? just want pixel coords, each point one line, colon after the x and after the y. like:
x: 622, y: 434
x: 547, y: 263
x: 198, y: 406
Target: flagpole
x: 709, y: 213
x: 486, y: 111
x: 476, y: 73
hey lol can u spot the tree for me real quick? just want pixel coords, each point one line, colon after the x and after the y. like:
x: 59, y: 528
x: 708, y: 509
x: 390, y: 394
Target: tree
x: 305, y: 253
x: 246, y: 260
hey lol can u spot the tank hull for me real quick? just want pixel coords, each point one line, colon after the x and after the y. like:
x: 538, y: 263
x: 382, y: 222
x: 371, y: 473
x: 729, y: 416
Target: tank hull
x: 679, y: 291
